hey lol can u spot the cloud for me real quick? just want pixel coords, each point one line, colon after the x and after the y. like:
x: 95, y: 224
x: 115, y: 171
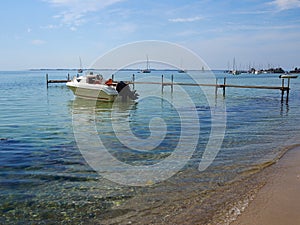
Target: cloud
x: 37, y: 42
x: 75, y: 12
x: 253, y: 12
x: 50, y: 26
x: 285, y: 4
x: 185, y: 20
x: 187, y: 33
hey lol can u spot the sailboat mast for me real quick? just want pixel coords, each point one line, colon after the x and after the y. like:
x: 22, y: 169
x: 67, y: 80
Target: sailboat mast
x: 147, y: 63
x: 233, y: 69
x: 80, y: 66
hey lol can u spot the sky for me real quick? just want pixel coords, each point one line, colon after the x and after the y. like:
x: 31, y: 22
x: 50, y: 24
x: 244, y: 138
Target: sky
x: 56, y: 33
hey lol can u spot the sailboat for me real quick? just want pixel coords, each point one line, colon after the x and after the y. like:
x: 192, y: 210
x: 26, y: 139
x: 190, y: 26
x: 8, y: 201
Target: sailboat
x: 180, y: 70
x: 147, y: 70
x: 234, y: 70
x: 80, y: 68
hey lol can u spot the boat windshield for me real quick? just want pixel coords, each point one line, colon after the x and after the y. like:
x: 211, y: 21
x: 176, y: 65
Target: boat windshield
x: 94, y: 79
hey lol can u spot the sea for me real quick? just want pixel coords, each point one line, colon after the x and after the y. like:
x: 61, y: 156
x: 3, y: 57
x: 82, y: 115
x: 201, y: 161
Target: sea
x: 179, y: 154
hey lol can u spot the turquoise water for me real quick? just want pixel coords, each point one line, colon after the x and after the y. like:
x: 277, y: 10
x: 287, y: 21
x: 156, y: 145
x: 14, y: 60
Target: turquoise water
x: 45, y: 178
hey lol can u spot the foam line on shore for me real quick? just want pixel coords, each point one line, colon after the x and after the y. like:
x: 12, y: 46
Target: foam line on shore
x: 278, y: 200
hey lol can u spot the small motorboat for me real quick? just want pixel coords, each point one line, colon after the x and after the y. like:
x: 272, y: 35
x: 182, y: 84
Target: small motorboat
x: 288, y: 76
x: 93, y: 86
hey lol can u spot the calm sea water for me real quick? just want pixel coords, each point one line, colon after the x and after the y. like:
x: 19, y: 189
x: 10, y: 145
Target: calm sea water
x: 45, y: 178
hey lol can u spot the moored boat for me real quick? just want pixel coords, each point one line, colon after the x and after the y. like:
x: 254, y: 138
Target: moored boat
x: 95, y: 88
x: 147, y: 70
x: 80, y: 70
x: 288, y: 76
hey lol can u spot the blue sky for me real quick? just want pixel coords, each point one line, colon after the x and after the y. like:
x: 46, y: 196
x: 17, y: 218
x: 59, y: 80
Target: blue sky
x: 55, y: 33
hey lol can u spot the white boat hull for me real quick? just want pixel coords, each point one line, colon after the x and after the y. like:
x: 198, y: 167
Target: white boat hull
x: 99, y: 92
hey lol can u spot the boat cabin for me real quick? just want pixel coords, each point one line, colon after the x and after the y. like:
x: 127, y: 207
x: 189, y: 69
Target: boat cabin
x: 94, y: 79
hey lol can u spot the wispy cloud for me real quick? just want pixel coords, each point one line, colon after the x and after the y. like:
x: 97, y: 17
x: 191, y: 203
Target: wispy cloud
x: 259, y: 27
x: 285, y: 4
x: 37, y: 42
x: 185, y: 20
x: 253, y: 12
x: 187, y: 33
x: 50, y: 27
x: 75, y: 12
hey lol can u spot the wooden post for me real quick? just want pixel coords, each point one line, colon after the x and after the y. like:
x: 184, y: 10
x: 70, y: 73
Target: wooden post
x: 216, y: 89
x: 224, y: 87
x: 282, y: 89
x: 288, y: 90
x: 162, y: 83
x: 172, y: 82
x: 47, y: 79
x: 133, y: 80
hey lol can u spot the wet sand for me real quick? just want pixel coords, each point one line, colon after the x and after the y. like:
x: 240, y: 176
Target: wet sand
x: 272, y: 197
x: 278, y: 202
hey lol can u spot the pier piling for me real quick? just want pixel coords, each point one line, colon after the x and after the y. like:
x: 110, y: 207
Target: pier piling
x: 162, y: 83
x: 224, y: 87
x: 133, y: 80
x: 172, y: 83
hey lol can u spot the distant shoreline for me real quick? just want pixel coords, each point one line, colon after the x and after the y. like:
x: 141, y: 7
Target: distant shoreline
x: 253, y: 71
x: 138, y: 70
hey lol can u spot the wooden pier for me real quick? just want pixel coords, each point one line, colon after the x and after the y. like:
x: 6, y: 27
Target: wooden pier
x: 56, y: 81
x: 217, y: 86
x: 222, y: 86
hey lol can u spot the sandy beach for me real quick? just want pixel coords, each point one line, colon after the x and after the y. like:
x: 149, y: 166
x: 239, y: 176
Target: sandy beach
x: 278, y: 202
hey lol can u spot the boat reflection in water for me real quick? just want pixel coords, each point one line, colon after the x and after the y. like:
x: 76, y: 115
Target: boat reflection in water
x: 98, y: 110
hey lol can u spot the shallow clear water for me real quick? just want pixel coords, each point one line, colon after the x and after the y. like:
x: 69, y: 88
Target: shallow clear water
x: 45, y: 178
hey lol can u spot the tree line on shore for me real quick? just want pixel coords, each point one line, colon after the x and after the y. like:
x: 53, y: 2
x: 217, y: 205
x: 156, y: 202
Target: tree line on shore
x: 296, y: 70
x: 270, y: 70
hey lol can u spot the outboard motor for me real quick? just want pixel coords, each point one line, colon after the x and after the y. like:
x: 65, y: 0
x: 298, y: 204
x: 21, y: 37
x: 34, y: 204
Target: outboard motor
x: 124, y: 91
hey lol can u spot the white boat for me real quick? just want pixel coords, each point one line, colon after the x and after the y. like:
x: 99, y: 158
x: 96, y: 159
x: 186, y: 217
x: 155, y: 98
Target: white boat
x: 92, y: 87
x: 288, y: 76
x: 234, y: 71
x: 95, y: 88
